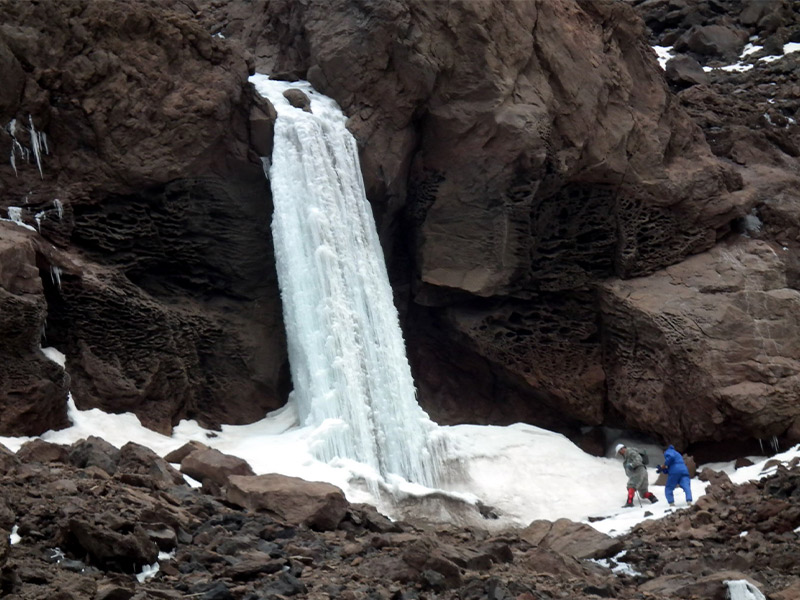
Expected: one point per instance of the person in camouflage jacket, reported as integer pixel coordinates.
(637, 474)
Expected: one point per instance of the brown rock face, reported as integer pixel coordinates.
(519, 155)
(528, 166)
(33, 388)
(708, 348)
(546, 149)
(168, 305)
(538, 151)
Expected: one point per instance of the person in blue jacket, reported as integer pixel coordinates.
(677, 474)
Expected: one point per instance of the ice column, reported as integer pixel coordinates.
(348, 362)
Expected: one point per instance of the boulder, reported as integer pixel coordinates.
(573, 539)
(716, 41)
(112, 590)
(319, 505)
(428, 562)
(124, 545)
(298, 99)
(710, 587)
(177, 455)
(4, 546)
(790, 592)
(38, 450)
(7, 516)
(714, 336)
(137, 459)
(684, 71)
(252, 565)
(214, 466)
(8, 460)
(94, 452)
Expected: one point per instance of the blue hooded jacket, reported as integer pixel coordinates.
(674, 462)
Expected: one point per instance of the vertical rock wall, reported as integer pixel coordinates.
(153, 203)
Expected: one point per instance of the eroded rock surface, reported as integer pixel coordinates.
(32, 387)
(527, 155)
(710, 342)
(135, 141)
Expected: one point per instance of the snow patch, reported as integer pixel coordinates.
(147, 572)
(54, 355)
(15, 216)
(617, 565)
(664, 53)
(192, 482)
(14, 537)
(750, 49)
(741, 589)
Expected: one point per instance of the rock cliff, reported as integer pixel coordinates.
(148, 189)
(574, 239)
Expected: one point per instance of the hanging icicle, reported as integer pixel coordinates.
(38, 145)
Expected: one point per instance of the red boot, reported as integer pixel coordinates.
(629, 503)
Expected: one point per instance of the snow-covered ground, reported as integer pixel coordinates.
(523, 472)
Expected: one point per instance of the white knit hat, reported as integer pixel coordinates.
(619, 447)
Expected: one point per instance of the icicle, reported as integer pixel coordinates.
(55, 276)
(36, 145)
(775, 444)
(16, 147)
(59, 207)
(38, 218)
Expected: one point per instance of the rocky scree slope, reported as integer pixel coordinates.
(87, 518)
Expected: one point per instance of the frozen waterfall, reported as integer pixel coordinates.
(351, 376)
